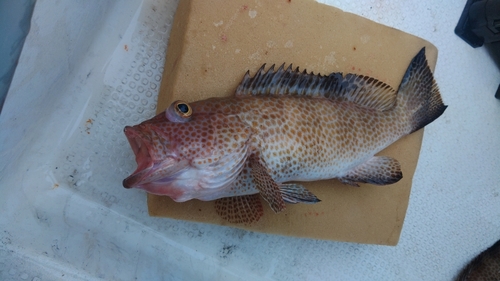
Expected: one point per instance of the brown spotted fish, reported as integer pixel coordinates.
(281, 126)
(484, 267)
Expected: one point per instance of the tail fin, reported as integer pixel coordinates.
(418, 96)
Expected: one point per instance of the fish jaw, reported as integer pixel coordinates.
(153, 170)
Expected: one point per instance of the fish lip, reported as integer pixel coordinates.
(146, 165)
(129, 182)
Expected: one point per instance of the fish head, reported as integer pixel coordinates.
(186, 156)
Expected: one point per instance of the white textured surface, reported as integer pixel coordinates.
(90, 67)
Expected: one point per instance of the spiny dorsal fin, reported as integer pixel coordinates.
(362, 90)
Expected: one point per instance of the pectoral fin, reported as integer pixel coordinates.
(240, 209)
(295, 193)
(380, 170)
(268, 188)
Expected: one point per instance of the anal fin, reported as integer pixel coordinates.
(268, 188)
(240, 209)
(295, 193)
(379, 170)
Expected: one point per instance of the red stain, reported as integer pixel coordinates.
(175, 62)
(311, 213)
(88, 123)
(125, 47)
(353, 68)
(244, 8)
(223, 38)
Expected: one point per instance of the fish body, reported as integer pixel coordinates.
(281, 126)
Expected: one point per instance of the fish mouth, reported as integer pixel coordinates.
(148, 169)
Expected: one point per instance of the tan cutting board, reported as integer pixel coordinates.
(214, 42)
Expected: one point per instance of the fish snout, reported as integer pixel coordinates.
(130, 131)
(126, 183)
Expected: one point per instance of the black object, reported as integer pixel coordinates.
(480, 24)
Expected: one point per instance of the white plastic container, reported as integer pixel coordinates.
(90, 67)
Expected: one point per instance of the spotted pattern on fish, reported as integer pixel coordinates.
(303, 138)
(240, 209)
(484, 267)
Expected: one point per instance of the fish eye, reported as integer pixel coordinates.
(179, 112)
(182, 109)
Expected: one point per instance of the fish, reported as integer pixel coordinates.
(281, 127)
(485, 266)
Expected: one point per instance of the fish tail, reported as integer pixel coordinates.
(418, 97)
